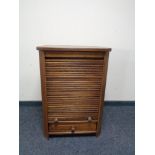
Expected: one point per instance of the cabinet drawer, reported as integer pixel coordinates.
(71, 128)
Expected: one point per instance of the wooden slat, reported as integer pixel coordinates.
(76, 98)
(73, 108)
(72, 103)
(73, 81)
(73, 60)
(76, 111)
(91, 105)
(74, 69)
(67, 79)
(73, 121)
(72, 118)
(74, 54)
(72, 89)
(74, 72)
(68, 132)
(73, 93)
(75, 63)
(72, 114)
(72, 84)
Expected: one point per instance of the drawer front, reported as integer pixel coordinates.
(72, 128)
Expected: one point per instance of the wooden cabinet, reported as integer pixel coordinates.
(73, 83)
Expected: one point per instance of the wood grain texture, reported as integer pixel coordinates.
(43, 90)
(73, 86)
(72, 127)
(102, 93)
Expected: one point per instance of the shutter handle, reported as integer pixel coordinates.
(89, 119)
(73, 129)
(56, 120)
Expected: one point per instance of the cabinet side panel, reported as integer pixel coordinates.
(102, 93)
(43, 90)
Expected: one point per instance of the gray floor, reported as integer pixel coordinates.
(117, 135)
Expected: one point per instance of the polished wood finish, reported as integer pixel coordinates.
(72, 127)
(73, 48)
(73, 83)
(43, 88)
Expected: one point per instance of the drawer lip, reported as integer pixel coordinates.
(69, 133)
(74, 122)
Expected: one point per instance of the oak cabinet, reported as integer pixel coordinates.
(73, 83)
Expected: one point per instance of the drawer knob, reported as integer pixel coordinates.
(73, 129)
(89, 119)
(56, 120)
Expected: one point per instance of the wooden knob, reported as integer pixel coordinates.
(89, 119)
(73, 129)
(56, 120)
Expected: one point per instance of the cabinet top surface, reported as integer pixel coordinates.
(72, 48)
